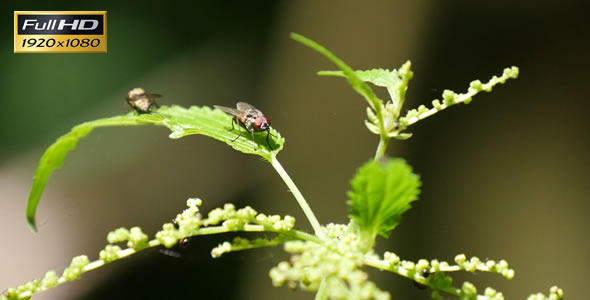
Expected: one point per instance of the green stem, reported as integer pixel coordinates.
(154, 243)
(381, 148)
(299, 197)
(322, 293)
(383, 265)
(386, 266)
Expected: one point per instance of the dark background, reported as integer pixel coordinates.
(505, 177)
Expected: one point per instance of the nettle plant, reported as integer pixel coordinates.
(329, 261)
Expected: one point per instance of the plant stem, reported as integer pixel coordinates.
(322, 293)
(383, 265)
(381, 148)
(386, 266)
(299, 197)
(154, 243)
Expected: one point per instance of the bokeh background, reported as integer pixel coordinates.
(504, 177)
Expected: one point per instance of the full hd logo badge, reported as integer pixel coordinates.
(60, 31)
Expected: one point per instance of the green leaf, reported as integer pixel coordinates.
(396, 82)
(378, 77)
(381, 193)
(357, 84)
(218, 125)
(181, 121)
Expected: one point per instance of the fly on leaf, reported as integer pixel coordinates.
(248, 117)
(142, 102)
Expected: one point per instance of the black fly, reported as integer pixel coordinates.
(249, 117)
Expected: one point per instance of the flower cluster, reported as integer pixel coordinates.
(247, 219)
(25, 291)
(334, 263)
(555, 293)
(186, 224)
(450, 98)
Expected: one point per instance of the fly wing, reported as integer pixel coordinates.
(228, 110)
(249, 109)
(153, 96)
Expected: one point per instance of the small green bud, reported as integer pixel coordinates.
(118, 235)
(468, 289)
(262, 218)
(405, 71)
(435, 265)
(408, 265)
(33, 285)
(391, 257)
(168, 227)
(422, 265)
(372, 127)
(556, 293)
(476, 85)
(49, 280)
(469, 266)
(507, 273)
(278, 274)
(21, 289)
(76, 267)
(80, 261)
(490, 292)
(137, 239)
(460, 259)
(488, 87)
(246, 213)
(168, 236)
(233, 224)
(10, 294)
(289, 222)
(229, 207)
(537, 296)
(422, 109)
(215, 216)
(512, 72)
(436, 104)
(219, 250)
(502, 265)
(193, 202)
(448, 97)
(490, 264)
(109, 253)
(371, 115)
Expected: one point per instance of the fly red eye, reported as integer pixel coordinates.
(262, 122)
(258, 122)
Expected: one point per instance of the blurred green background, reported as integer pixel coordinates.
(504, 177)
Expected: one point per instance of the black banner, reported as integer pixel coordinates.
(61, 24)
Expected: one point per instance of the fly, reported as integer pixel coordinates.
(249, 117)
(142, 102)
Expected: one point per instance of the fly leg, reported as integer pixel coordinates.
(153, 105)
(239, 130)
(232, 124)
(267, 142)
(255, 145)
